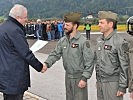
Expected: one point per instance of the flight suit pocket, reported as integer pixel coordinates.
(113, 56)
(75, 52)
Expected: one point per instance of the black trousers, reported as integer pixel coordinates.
(13, 96)
(88, 34)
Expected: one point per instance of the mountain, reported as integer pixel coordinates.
(57, 8)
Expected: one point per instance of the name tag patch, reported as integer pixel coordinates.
(107, 47)
(74, 45)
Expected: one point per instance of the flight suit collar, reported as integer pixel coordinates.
(75, 37)
(109, 36)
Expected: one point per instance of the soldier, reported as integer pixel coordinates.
(77, 58)
(111, 59)
(130, 40)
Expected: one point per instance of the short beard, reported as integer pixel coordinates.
(69, 32)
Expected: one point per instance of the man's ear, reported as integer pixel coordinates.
(75, 26)
(111, 24)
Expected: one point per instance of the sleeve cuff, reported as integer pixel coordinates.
(47, 64)
(84, 78)
(122, 89)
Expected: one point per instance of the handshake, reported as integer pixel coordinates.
(44, 68)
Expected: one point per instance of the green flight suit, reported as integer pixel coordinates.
(77, 61)
(112, 63)
(130, 71)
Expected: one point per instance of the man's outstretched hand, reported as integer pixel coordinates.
(44, 68)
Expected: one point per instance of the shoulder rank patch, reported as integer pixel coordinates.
(87, 44)
(125, 47)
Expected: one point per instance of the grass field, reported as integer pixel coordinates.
(95, 28)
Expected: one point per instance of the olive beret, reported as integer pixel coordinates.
(72, 17)
(107, 15)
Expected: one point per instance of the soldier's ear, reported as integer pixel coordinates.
(110, 24)
(75, 26)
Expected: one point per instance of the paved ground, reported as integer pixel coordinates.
(27, 96)
(50, 85)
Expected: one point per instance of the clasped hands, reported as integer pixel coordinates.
(44, 68)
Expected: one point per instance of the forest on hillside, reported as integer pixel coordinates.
(57, 8)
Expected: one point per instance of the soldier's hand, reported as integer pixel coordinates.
(82, 84)
(119, 93)
(44, 68)
(131, 95)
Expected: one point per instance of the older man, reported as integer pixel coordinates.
(15, 56)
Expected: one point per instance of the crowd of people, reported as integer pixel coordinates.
(44, 30)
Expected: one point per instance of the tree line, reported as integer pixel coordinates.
(57, 8)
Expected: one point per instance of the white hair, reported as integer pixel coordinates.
(38, 20)
(17, 10)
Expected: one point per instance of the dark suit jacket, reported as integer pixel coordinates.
(15, 58)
